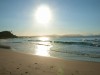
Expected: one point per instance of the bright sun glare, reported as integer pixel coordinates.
(43, 38)
(42, 48)
(43, 14)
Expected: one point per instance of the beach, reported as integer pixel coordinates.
(13, 63)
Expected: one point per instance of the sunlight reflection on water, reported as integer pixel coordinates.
(44, 38)
(43, 48)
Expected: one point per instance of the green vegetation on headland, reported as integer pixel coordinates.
(7, 34)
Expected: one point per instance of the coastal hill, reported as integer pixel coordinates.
(7, 34)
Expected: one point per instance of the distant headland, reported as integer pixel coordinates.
(7, 34)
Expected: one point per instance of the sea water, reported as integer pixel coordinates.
(68, 48)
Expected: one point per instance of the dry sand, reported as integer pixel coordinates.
(12, 63)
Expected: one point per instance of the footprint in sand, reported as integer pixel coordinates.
(72, 74)
(17, 68)
(10, 73)
(51, 67)
(37, 68)
(60, 72)
(20, 64)
(77, 72)
(43, 71)
(21, 74)
(26, 72)
(35, 63)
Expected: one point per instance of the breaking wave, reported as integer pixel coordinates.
(79, 43)
(79, 53)
(85, 43)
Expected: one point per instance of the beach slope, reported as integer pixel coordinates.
(12, 63)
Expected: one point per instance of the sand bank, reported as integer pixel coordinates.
(12, 63)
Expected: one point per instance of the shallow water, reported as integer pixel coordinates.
(84, 49)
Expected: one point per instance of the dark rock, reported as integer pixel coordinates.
(7, 34)
(5, 47)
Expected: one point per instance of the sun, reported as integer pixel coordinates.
(43, 14)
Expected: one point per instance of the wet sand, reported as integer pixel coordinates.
(13, 63)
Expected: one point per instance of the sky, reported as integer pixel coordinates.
(68, 17)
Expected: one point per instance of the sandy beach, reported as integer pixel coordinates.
(13, 63)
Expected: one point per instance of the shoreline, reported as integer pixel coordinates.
(8, 48)
(13, 63)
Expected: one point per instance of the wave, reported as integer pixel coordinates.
(79, 53)
(86, 42)
(16, 42)
(93, 40)
(79, 43)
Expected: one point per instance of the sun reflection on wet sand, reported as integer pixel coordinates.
(43, 48)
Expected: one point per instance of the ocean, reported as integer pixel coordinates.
(68, 48)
